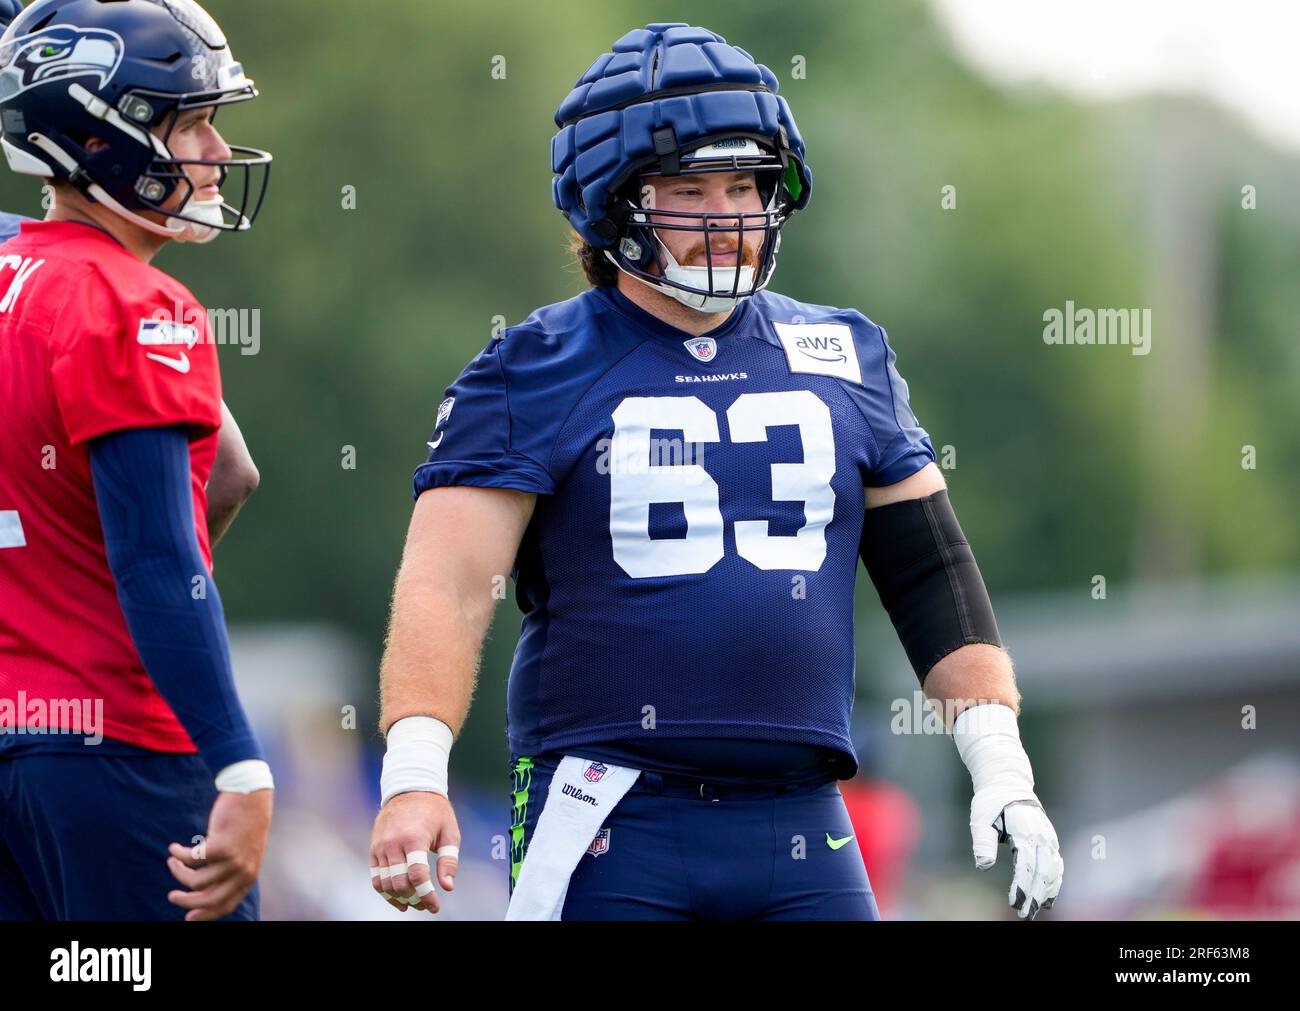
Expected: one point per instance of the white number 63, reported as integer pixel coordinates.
(634, 485)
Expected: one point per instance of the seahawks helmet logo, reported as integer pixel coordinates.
(58, 52)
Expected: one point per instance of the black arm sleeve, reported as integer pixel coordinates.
(925, 573)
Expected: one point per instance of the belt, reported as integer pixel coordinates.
(691, 788)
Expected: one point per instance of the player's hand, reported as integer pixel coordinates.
(408, 829)
(1037, 867)
(218, 872)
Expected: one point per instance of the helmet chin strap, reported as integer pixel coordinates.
(207, 228)
(176, 229)
(697, 277)
(96, 191)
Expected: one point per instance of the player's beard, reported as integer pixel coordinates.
(748, 256)
(695, 257)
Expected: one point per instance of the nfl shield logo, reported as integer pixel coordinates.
(596, 772)
(600, 844)
(703, 349)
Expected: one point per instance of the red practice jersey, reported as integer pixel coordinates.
(92, 341)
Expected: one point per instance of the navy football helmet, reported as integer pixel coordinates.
(117, 70)
(670, 100)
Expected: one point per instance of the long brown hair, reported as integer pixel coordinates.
(594, 263)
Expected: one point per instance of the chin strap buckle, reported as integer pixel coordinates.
(81, 181)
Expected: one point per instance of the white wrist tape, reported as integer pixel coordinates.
(416, 760)
(245, 777)
(988, 740)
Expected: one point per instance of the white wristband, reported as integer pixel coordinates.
(988, 740)
(416, 760)
(245, 777)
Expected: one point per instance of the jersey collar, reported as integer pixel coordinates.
(652, 324)
(67, 230)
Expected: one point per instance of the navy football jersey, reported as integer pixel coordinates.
(689, 569)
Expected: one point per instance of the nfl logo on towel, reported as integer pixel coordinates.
(596, 772)
(600, 844)
(703, 349)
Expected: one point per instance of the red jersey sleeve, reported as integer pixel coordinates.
(133, 356)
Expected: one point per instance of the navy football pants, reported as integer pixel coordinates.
(668, 853)
(84, 836)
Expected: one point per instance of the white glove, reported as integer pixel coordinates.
(1005, 809)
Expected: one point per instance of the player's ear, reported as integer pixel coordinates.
(95, 144)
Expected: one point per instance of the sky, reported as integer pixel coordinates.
(1243, 55)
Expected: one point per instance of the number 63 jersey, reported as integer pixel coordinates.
(689, 568)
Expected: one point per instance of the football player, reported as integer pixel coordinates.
(131, 783)
(681, 469)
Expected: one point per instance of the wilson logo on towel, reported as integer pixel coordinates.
(569, 790)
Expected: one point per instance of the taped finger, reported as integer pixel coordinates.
(1022, 877)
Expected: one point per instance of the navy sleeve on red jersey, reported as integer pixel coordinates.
(142, 485)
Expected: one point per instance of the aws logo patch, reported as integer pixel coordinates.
(823, 348)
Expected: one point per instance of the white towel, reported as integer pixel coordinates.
(581, 796)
